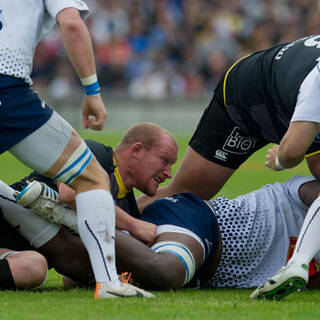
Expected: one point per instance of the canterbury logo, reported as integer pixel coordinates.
(221, 155)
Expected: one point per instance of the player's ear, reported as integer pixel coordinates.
(137, 148)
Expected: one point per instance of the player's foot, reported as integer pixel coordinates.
(39, 198)
(45, 202)
(104, 291)
(31, 194)
(287, 280)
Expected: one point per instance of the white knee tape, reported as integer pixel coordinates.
(180, 251)
(75, 165)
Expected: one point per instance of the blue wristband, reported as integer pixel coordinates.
(92, 89)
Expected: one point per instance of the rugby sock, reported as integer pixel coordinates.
(96, 224)
(308, 243)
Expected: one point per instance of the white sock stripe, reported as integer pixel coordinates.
(180, 251)
(100, 249)
(75, 165)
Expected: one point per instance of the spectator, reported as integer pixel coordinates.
(196, 40)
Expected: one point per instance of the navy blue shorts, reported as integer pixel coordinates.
(188, 211)
(21, 111)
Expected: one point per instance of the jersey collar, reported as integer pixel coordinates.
(123, 191)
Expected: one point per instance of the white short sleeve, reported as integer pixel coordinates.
(307, 107)
(55, 6)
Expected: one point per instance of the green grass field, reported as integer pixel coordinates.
(52, 302)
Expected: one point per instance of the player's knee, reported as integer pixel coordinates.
(28, 268)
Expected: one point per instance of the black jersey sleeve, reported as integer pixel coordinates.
(104, 154)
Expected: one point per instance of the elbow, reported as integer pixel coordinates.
(72, 26)
(69, 20)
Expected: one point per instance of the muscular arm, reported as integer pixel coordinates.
(294, 144)
(139, 229)
(77, 42)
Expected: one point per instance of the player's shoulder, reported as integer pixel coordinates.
(103, 153)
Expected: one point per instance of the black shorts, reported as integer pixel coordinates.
(218, 139)
(10, 238)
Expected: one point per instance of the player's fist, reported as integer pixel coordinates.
(94, 113)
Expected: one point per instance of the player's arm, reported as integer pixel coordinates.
(293, 146)
(139, 229)
(77, 42)
(142, 230)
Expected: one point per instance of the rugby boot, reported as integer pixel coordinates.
(288, 279)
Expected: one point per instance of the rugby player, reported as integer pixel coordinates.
(182, 246)
(258, 232)
(43, 140)
(264, 97)
(142, 160)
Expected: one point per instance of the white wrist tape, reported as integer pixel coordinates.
(86, 81)
(279, 166)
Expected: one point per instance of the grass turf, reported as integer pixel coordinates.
(54, 303)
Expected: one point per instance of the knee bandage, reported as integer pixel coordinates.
(180, 251)
(6, 279)
(75, 165)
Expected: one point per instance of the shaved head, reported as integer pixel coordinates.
(147, 133)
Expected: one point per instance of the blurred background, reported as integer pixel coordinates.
(159, 60)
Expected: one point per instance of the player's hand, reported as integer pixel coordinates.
(271, 157)
(144, 231)
(94, 113)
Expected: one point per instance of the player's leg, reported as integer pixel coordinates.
(41, 139)
(295, 274)
(198, 175)
(56, 150)
(22, 269)
(217, 148)
(169, 264)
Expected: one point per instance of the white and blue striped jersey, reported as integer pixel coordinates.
(23, 23)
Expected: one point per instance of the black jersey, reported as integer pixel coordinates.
(104, 155)
(254, 101)
(260, 91)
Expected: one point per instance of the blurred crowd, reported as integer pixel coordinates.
(172, 48)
